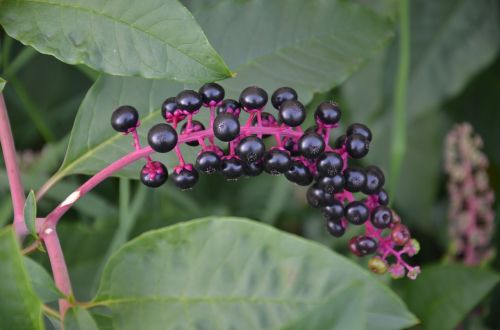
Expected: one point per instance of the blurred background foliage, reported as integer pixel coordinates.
(454, 77)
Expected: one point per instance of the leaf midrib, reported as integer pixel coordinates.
(117, 20)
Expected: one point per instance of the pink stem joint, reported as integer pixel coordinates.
(471, 216)
(305, 158)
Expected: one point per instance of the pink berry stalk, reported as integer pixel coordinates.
(471, 198)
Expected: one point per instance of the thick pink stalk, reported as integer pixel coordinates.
(9, 155)
(59, 269)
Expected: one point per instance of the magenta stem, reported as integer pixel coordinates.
(179, 155)
(12, 168)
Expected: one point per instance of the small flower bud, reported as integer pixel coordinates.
(397, 271)
(377, 265)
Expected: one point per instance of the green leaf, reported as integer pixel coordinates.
(234, 273)
(150, 38)
(444, 294)
(42, 282)
(30, 213)
(2, 84)
(78, 318)
(20, 308)
(317, 47)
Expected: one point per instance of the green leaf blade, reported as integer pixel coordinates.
(78, 318)
(42, 282)
(30, 213)
(151, 38)
(20, 308)
(3, 82)
(219, 272)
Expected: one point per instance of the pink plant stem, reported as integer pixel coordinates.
(59, 269)
(9, 155)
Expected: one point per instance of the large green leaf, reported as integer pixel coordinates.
(78, 318)
(311, 46)
(42, 282)
(20, 308)
(233, 273)
(444, 294)
(148, 38)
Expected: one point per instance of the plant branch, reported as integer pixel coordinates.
(9, 155)
(398, 145)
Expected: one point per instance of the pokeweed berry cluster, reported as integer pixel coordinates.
(303, 157)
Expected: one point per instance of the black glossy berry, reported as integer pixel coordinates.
(283, 94)
(154, 174)
(208, 162)
(124, 118)
(317, 197)
(168, 107)
(162, 138)
(211, 92)
(339, 143)
(356, 212)
(277, 161)
(186, 178)
(229, 106)
(253, 169)
(250, 149)
(359, 129)
(328, 113)
(196, 126)
(335, 227)
(253, 98)
(189, 100)
(232, 168)
(366, 245)
(292, 147)
(381, 217)
(292, 113)
(355, 179)
(335, 211)
(299, 174)
(383, 197)
(329, 163)
(332, 184)
(226, 127)
(357, 146)
(311, 145)
(375, 180)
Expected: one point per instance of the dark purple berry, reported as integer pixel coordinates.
(211, 92)
(168, 108)
(328, 113)
(250, 149)
(281, 95)
(366, 245)
(329, 163)
(299, 174)
(335, 211)
(359, 129)
(253, 169)
(196, 126)
(381, 217)
(355, 179)
(353, 246)
(124, 118)
(162, 138)
(189, 100)
(374, 180)
(335, 227)
(208, 162)
(154, 174)
(339, 143)
(357, 146)
(232, 168)
(185, 178)
(277, 161)
(253, 98)
(226, 127)
(317, 197)
(383, 197)
(229, 106)
(311, 145)
(291, 146)
(292, 113)
(332, 184)
(356, 213)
